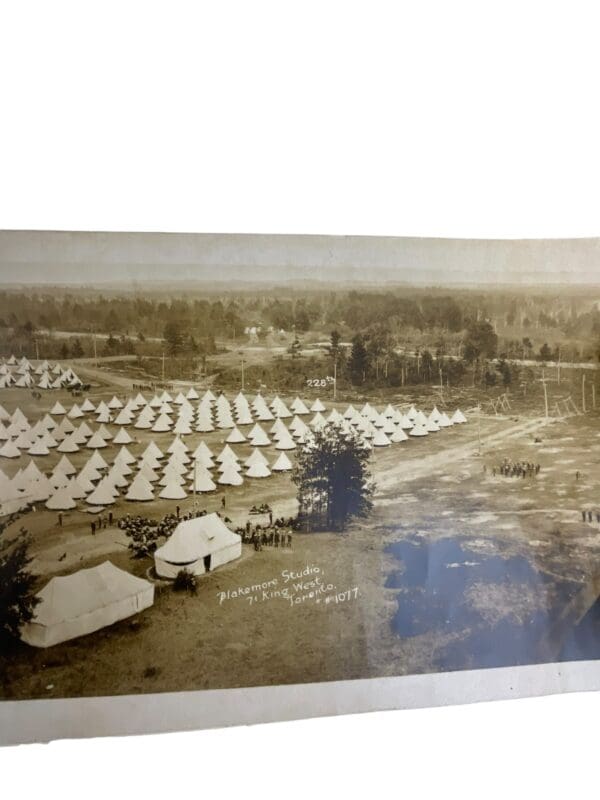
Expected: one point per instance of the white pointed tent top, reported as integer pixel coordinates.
(87, 474)
(334, 416)
(182, 426)
(202, 480)
(235, 437)
(398, 436)
(147, 472)
(258, 437)
(165, 397)
(96, 442)
(282, 464)
(240, 399)
(76, 489)
(4, 415)
(124, 417)
(156, 402)
(208, 395)
(173, 472)
(380, 439)
(87, 405)
(230, 476)
(177, 446)
(264, 415)
(278, 427)
(179, 399)
(125, 456)
(10, 450)
(389, 411)
(163, 424)
(299, 407)
(32, 472)
(102, 494)
(258, 470)
(58, 408)
(227, 454)
(140, 490)
(227, 464)
(203, 450)
(244, 416)
(458, 417)
(419, 429)
(68, 445)
(173, 491)
(317, 406)
(431, 426)
(105, 433)
(66, 467)
(444, 421)
(153, 450)
(285, 442)
(122, 437)
(84, 430)
(255, 457)
(114, 402)
(204, 424)
(75, 412)
(97, 461)
(61, 500)
(192, 394)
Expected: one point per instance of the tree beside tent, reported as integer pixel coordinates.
(333, 479)
(17, 597)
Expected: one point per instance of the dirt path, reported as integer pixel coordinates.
(416, 468)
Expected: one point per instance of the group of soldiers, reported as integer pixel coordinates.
(516, 469)
(588, 516)
(276, 534)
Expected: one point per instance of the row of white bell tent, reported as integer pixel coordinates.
(65, 486)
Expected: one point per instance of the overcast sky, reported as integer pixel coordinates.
(57, 257)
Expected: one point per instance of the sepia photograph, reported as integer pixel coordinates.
(234, 461)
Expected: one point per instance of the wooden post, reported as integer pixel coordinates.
(95, 352)
(594, 396)
(335, 379)
(583, 392)
(242, 373)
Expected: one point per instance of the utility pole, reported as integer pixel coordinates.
(594, 396)
(37, 350)
(242, 373)
(441, 386)
(479, 428)
(583, 392)
(543, 381)
(163, 366)
(334, 379)
(558, 367)
(95, 352)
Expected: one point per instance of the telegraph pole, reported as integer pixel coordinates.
(335, 379)
(583, 392)
(594, 396)
(242, 373)
(543, 382)
(95, 352)
(163, 366)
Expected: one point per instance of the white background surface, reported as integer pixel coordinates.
(417, 118)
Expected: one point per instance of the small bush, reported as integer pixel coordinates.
(185, 582)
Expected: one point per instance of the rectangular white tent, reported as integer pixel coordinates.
(198, 545)
(85, 601)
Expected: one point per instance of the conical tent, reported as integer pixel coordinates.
(380, 439)
(162, 424)
(75, 412)
(171, 474)
(192, 394)
(458, 417)
(255, 457)
(412, 414)
(202, 480)
(244, 416)
(177, 446)
(96, 442)
(317, 406)
(10, 450)
(431, 426)
(182, 426)
(204, 424)
(76, 490)
(83, 482)
(299, 407)
(58, 409)
(173, 491)
(230, 477)
(140, 490)
(444, 421)
(258, 437)
(58, 480)
(235, 437)
(318, 421)
(68, 445)
(418, 429)
(257, 470)
(87, 406)
(97, 461)
(105, 433)
(61, 500)
(115, 403)
(282, 464)
(102, 494)
(285, 442)
(227, 464)
(125, 456)
(124, 417)
(227, 453)
(147, 472)
(277, 428)
(398, 436)
(122, 437)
